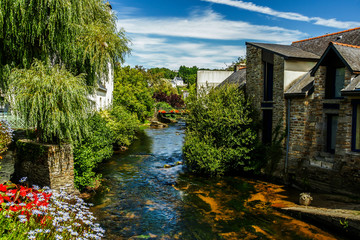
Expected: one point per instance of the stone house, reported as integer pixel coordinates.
(311, 90)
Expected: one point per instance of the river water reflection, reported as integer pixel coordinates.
(145, 200)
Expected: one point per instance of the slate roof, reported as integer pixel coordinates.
(318, 45)
(349, 55)
(301, 87)
(238, 77)
(286, 51)
(353, 88)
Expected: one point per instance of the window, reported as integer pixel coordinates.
(268, 81)
(334, 82)
(355, 143)
(332, 121)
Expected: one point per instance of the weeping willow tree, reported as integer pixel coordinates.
(80, 35)
(52, 100)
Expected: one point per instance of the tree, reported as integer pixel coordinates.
(81, 35)
(132, 91)
(51, 100)
(188, 74)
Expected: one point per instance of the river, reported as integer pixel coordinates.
(149, 195)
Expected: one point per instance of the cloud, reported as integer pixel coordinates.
(163, 52)
(204, 39)
(208, 25)
(286, 15)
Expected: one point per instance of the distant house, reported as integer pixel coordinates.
(207, 78)
(177, 82)
(311, 89)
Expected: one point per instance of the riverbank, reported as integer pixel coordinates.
(337, 213)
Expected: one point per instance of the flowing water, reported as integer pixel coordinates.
(149, 195)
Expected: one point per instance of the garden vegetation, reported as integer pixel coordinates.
(220, 132)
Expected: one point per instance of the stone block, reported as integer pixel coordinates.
(46, 164)
(315, 163)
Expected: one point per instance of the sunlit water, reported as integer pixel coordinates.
(145, 200)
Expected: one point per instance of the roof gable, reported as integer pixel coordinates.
(349, 55)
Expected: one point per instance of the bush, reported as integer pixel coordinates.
(88, 153)
(220, 132)
(122, 124)
(174, 100)
(163, 106)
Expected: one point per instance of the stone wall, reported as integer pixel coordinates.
(254, 76)
(255, 91)
(309, 162)
(45, 164)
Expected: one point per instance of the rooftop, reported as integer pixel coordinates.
(286, 51)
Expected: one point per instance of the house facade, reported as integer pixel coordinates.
(311, 90)
(103, 96)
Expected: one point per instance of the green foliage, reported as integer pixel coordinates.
(88, 153)
(131, 90)
(163, 106)
(81, 35)
(5, 136)
(189, 74)
(122, 124)
(50, 99)
(162, 73)
(220, 132)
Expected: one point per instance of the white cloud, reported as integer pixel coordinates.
(161, 52)
(286, 15)
(209, 25)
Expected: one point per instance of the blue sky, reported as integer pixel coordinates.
(212, 33)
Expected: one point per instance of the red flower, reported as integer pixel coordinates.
(1, 199)
(2, 188)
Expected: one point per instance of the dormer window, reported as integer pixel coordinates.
(334, 82)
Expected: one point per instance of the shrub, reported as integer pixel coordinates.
(88, 153)
(51, 100)
(122, 124)
(163, 106)
(174, 100)
(33, 213)
(220, 132)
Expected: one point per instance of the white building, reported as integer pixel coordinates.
(206, 78)
(177, 82)
(103, 96)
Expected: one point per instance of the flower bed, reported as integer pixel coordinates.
(34, 213)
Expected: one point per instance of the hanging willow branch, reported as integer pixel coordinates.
(51, 100)
(67, 32)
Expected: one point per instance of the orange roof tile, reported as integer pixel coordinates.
(346, 45)
(327, 35)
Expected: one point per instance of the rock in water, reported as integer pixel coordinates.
(305, 199)
(157, 124)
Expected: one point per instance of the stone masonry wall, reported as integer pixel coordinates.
(255, 91)
(46, 165)
(254, 76)
(308, 159)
